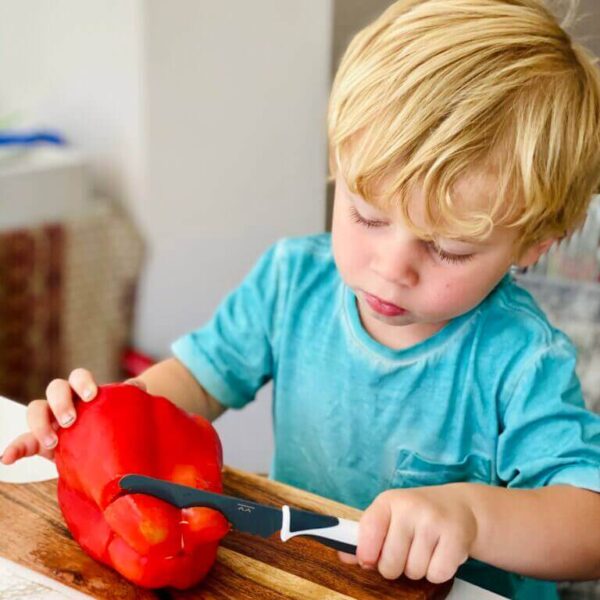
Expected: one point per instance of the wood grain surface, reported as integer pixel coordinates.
(33, 534)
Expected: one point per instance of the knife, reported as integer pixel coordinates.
(251, 517)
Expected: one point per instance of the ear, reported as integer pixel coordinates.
(534, 253)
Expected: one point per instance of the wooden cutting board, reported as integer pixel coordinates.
(33, 534)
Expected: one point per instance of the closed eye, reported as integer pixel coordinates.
(449, 257)
(439, 252)
(358, 218)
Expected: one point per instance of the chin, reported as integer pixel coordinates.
(399, 321)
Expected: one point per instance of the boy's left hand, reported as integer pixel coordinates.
(418, 532)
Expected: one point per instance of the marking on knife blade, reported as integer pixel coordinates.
(245, 507)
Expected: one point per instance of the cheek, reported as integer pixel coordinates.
(448, 294)
(349, 251)
(460, 292)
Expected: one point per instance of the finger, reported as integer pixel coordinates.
(82, 381)
(448, 555)
(396, 547)
(60, 399)
(421, 550)
(138, 383)
(24, 445)
(40, 420)
(349, 559)
(372, 530)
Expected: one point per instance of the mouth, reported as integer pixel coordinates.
(382, 307)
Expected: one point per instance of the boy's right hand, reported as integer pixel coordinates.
(44, 417)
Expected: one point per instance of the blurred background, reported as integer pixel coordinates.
(151, 150)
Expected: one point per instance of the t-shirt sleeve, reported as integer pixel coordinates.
(547, 436)
(232, 355)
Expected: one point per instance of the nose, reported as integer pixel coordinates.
(398, 262)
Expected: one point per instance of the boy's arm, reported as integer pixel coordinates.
(169, 378)
(547, 533)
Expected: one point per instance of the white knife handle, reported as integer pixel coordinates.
(334, 532)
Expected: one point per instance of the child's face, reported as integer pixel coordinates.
(407, 288)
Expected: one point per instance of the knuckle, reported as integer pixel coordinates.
(425, 530)
(54, 386)
(408, 501)
(383, 497)
(376, 506)
(387, 497)
(35, 412)
(431, 517)
(34, 406)
(431, 527)
(370, 518)
(79, 374)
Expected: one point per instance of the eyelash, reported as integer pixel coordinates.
(445, 256)
(451, 258)
(357, 218)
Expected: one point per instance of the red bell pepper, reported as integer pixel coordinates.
(125, 430)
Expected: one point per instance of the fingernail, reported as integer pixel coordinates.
(67, 419)
(87, 394)
(50, 441)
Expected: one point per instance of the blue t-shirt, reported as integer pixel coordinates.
(491, 398)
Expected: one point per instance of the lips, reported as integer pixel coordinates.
(383, 308)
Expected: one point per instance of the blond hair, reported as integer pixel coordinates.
(433, 89)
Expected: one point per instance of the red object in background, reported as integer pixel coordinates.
(125, 430)
(135, 362)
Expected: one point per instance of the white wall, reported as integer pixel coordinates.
(236, 148)
(207, 119)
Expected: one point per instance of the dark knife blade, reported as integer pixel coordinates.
(243, 515)
(251, 517)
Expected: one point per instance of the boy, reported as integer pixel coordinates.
(412, 377)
